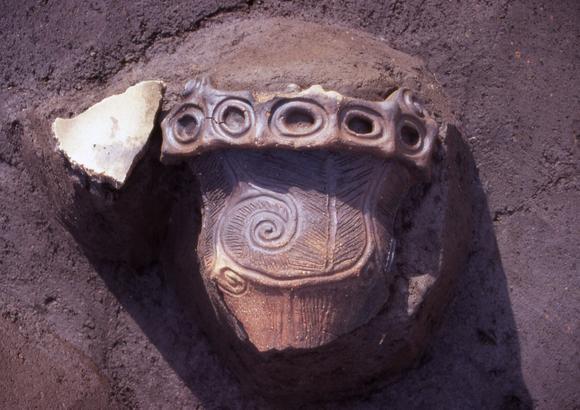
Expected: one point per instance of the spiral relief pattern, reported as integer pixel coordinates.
(263, 223)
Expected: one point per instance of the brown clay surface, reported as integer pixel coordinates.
(511, 336)
(275, 222)
(398, 128)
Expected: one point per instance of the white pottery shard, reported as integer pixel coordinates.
(108, 139)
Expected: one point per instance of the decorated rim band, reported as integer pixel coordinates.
(208, 119)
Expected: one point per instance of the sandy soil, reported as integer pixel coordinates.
(83, 334)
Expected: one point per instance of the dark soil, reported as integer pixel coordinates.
(85, 334)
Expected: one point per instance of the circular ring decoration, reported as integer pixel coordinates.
(410, 133)
(298, 118)
(361, 122)
(263, 223)
(187, 124)
(234, 117)
(231, 282)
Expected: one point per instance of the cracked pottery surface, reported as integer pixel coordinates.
(109, 138)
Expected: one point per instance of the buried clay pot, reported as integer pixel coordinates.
(299, 243)
(330, 217)
(296, 271)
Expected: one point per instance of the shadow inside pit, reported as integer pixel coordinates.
(473, 362)
(150, 297)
